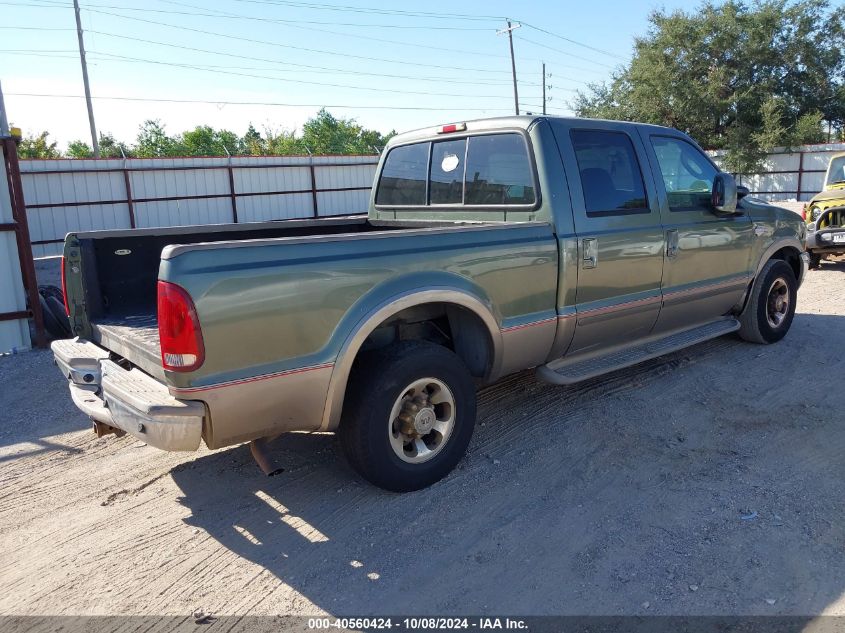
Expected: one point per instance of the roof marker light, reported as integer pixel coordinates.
(454, 127)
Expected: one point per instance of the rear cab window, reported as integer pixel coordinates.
(484, 170)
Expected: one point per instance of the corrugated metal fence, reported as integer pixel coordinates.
(794, 175)
(80, 195)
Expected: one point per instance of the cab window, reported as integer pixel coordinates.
(482, 170)
(687, 173)
(610, 173)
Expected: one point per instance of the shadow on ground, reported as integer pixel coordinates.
(708, 481)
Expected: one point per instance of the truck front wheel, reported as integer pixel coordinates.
(408, 416)
(771, 304)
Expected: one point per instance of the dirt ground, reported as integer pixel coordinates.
(706, 482)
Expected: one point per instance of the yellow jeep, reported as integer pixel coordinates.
(825, 214)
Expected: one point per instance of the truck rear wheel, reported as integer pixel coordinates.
(409, 415)
(771, 305)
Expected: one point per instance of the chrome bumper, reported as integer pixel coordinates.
(129, 400)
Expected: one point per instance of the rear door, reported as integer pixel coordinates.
(620, 237)
(708, 257)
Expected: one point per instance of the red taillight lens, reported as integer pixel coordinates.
(179, 329)
(804, 212)
(454, 127)
(64, 288)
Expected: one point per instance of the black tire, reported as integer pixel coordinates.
(815, 259)
(755, 325)
(57, 307)
(51, 291)
(378, 380)
(51, 323)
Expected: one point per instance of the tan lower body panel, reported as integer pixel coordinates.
(526, 345)
(262, 406)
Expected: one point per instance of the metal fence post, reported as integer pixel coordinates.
(233, 196)
(27, 263)
(316, 212)
(128, 185)
(800, 174)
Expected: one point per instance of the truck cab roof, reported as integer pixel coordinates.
(523, 121)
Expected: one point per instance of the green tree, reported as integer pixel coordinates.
(282, 143)
(326, 134)
(153, 142)
(734, 76)
(204, 140)
(38, 146)
(79, 149)
(112, 148)
(252, 143)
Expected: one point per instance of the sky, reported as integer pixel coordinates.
(274, 63)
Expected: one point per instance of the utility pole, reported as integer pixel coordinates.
(544, 88)
(94, 143)
(509, 31)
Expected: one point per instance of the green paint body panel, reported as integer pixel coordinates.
(272, 306)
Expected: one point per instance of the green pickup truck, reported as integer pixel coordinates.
(573, 246)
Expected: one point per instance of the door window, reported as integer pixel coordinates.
(610, 173)
(687, 173)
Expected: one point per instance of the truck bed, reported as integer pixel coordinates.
(120, 269)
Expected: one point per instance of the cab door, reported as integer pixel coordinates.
(620, 238)
(708, 257)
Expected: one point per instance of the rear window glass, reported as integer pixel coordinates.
(484, 170)
(403, 178)
(498, 171)
(610, 173)
(447, 172)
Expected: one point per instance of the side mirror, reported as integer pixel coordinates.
(723, 197)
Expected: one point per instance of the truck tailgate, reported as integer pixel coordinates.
(134, 337)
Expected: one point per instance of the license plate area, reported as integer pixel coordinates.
(839, 238)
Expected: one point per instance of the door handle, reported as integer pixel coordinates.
(590, 252)
(672, 243)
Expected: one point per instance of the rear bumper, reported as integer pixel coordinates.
(129, 400)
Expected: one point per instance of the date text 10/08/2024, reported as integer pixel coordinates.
(417, 623)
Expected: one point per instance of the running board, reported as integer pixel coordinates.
(568, 371)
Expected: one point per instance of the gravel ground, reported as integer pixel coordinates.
(705, 482)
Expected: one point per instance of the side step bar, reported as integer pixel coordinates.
(568, 371)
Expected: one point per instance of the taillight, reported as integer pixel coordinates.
(804, 212)
(64, 288)
(179, 329)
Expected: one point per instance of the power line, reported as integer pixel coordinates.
(311, 83)
(35, 28)
(258, 103)
(375, 10)
(567, 53)
(311, 69)
(239, 16)
(571, 41)
(276, 61)
(290, 46)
